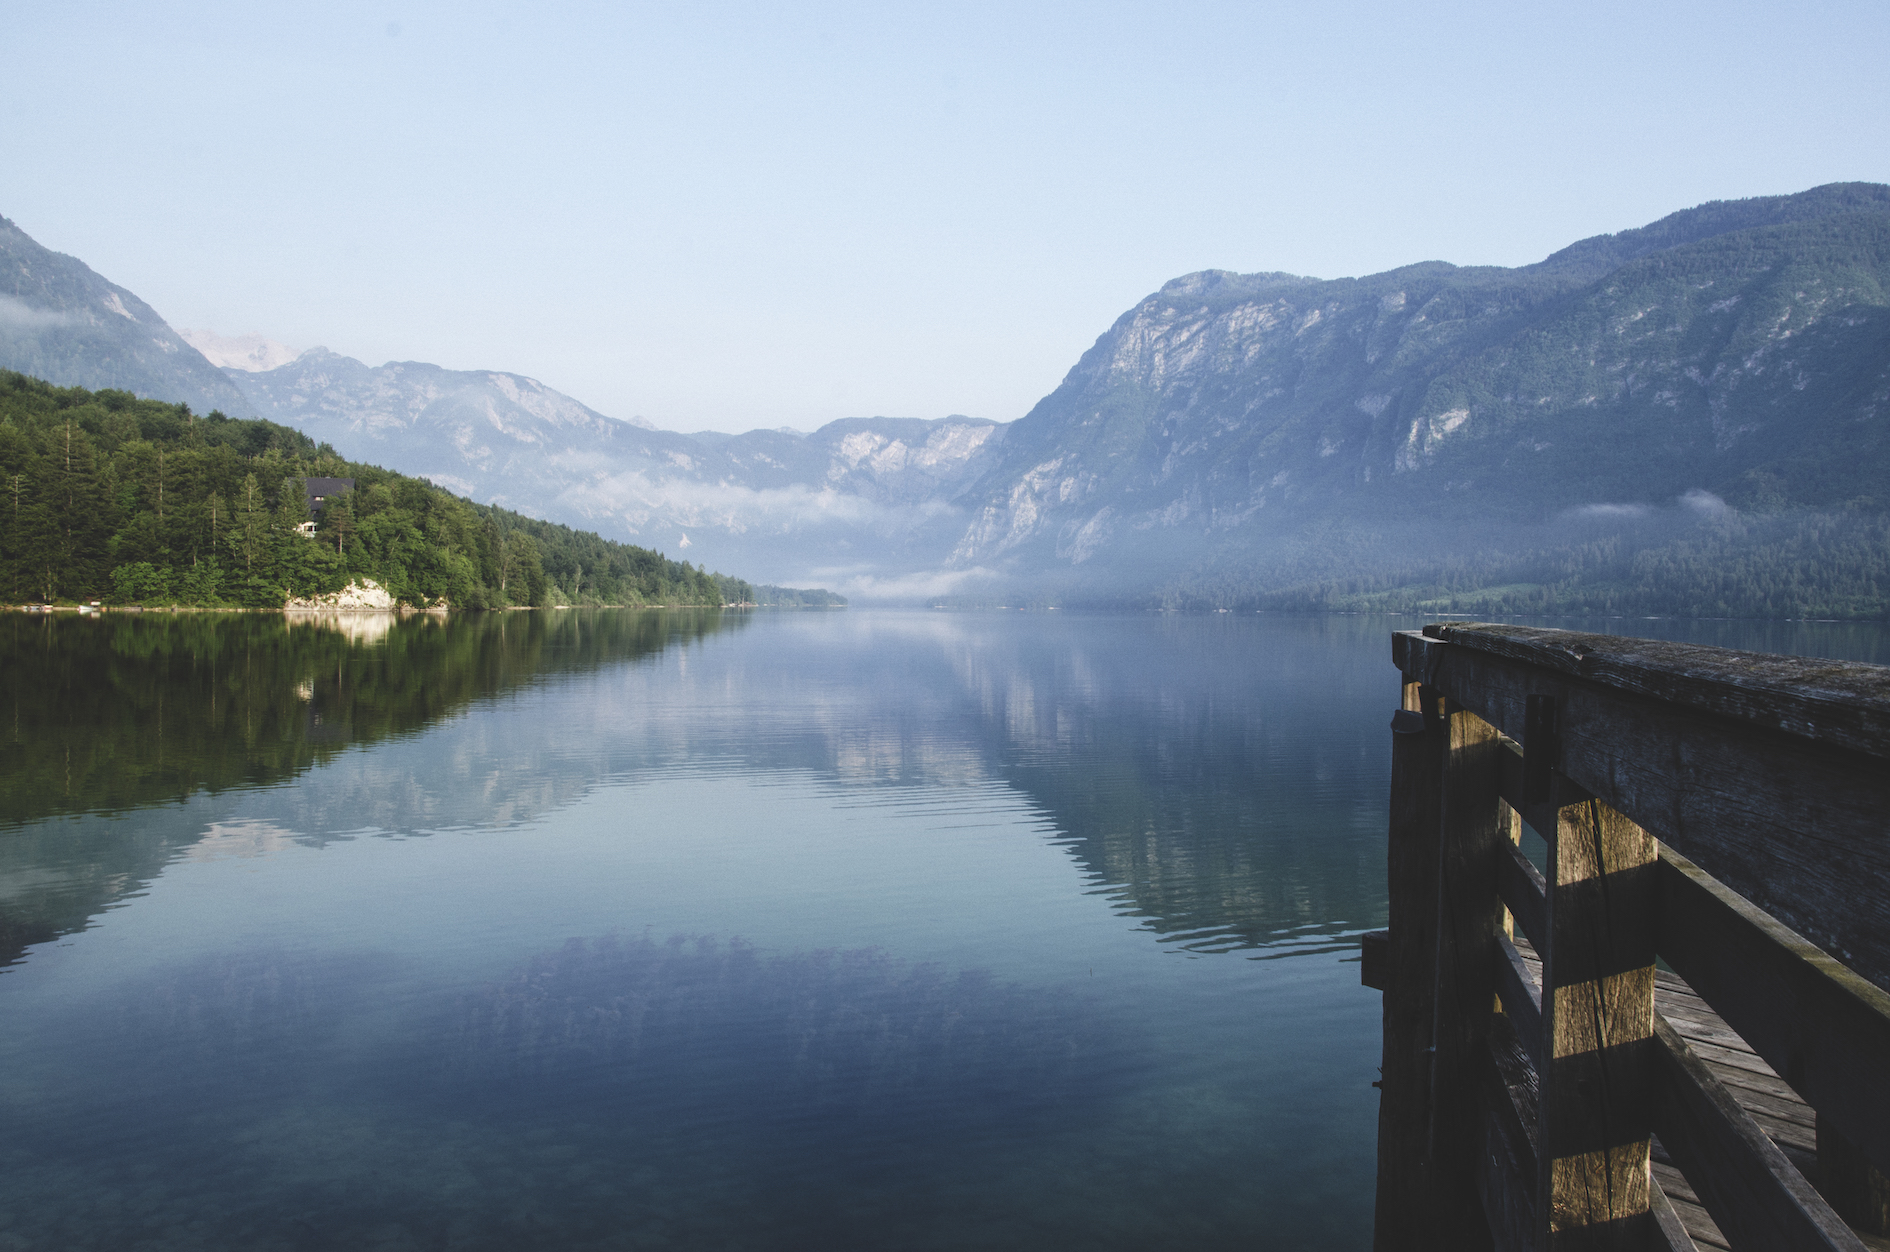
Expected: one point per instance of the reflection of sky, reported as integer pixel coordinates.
(1222, 778)
(1069, 803)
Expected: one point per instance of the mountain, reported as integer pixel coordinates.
(61, 322)
(244, 352)
(861, 494)
(1276, 428)
(1685, 417)
(138, 502)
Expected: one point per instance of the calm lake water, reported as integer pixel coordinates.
(641, 929)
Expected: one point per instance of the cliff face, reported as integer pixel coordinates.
(61, 322)
(1738, 349)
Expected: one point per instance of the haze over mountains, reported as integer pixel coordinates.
(1230, 437)
(62, 322)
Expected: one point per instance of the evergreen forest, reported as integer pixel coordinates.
(107, 497)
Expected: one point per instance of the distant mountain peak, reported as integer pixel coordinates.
(252, 353)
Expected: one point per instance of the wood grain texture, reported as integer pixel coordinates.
(1842, 703)
(1506, 1177)
(1521, 998)
(1598, 1010)
(1755, 1195)
(1525, 893)
(1792, 824)
(1822, 1028)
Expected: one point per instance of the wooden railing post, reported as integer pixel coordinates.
(1470, 916)
(1593, 1185)
(1406, 1219)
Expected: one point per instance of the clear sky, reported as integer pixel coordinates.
(737, 215)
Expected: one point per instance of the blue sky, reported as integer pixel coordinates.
(728, 216)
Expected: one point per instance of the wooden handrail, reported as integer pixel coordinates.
(1824, 1029)
(1745, 1181)
(1717, 808)
(1840, 703)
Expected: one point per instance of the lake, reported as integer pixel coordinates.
(623, 929)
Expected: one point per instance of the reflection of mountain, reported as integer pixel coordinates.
(1220, 778)
(142, 713)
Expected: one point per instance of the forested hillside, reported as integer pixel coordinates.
(104, 496)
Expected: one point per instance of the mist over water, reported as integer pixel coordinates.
(634, 929)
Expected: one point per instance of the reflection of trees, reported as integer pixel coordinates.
(122, 713)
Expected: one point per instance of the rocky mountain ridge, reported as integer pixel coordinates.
(1739, 350)
(1246, 432)
(64, 323)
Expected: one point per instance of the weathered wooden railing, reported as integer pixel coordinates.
(1725, 812)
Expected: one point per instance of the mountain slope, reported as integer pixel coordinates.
(857, 494)
(1741, 349)
(61, 322)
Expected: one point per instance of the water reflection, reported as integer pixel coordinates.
(122, 712)
(116, 725)
(856, 1035)
(377, 976)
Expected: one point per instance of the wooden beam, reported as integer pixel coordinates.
(1858, 1190)
(1598, 1018)
(1824, 1029)
(1788, 820)
(1506, 1167)
(1374, 959)
(1525, 894)
(1522, 999)
(1754, 1194)
(1405, 1205)
(1838, 703)
(1470, 917)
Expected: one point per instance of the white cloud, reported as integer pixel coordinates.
(920, 585)
(1610, 512)
(1705, 502)
(639, 500)
(17, 314)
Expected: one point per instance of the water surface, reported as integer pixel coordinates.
(636, 929)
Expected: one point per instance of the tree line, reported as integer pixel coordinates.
(104, 496)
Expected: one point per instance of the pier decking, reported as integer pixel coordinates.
(1668, 1027)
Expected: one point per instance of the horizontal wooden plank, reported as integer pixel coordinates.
(1525, 891)
(1670, 1231)
(1522, 998)
(1843, 703)
(1753, 1192)
(1794, 826)
(1819, 1026)
(1698, 1223)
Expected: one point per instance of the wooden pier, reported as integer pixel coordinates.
(1635, 976)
